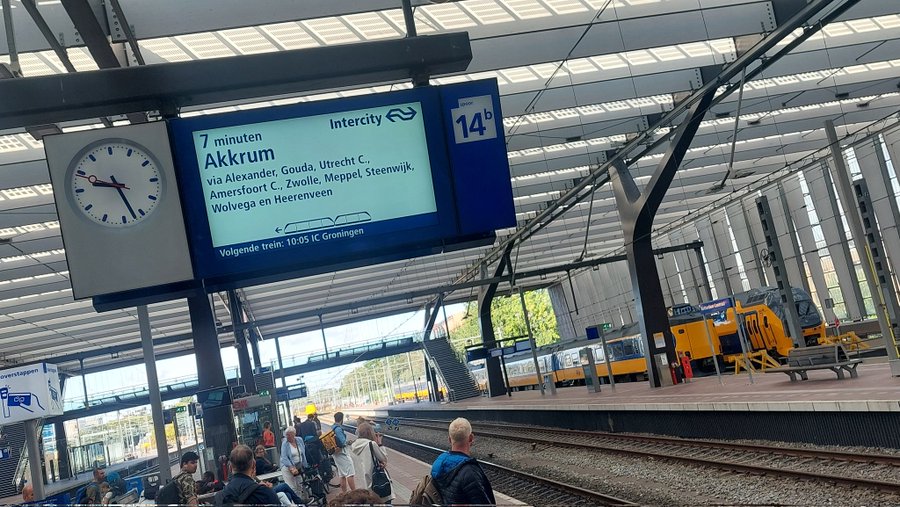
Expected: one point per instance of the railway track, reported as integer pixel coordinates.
(529, 488)
(851, 469)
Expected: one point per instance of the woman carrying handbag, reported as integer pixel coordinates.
(369, 460)
(293, 461)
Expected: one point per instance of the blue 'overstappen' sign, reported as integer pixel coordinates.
(272, 193)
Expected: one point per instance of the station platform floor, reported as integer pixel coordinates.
(874, 390)
(406, 472)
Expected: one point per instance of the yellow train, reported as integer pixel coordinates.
(760, 310)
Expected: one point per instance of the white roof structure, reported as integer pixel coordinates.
(577, 77)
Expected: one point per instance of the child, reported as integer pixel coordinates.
(105, 493)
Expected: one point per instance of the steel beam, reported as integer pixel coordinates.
(496, 385)
(240, 340)
(779, 266)
(637, 211)
(48, 34)
(116, 91)
(91, 32)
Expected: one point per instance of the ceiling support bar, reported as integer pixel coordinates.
(170, 86)
(48, 34)
(129, 33)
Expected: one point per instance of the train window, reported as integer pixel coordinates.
(805, 308)
(616, 351)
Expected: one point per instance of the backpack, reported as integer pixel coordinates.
(116, 483)
(81, 496)
(241, 500)
(340, 438)
(168, 494)
(427, 492)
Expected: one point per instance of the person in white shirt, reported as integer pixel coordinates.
(365, 452)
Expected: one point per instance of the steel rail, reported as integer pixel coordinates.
(593, 496)
(885, 459)
(706, 462)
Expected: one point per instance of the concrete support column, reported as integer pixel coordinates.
(722, 238)
(874, 168)
(782, 280)
(797, 208)
(822, 190)
(218, 424)
(606, 291)
(62, 448)
(32, 434)
(672, 290)
(716, 267)
(156, 410)
(845, 190)
(892, 143)
(787, 238)
(686, 268)
(746, 244)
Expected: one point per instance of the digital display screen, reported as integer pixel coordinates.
(281, 192)
(315, 179)
(214, 398)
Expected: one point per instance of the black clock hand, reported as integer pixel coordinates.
(122, 195)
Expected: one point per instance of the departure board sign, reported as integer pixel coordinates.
(290, 182)
(332, 184)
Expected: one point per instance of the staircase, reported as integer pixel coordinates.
(460, 383)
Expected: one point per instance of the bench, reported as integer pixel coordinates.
(821, 357)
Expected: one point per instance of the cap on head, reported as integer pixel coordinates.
(189, 456)
(311, 409)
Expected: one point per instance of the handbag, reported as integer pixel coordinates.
(381, 483)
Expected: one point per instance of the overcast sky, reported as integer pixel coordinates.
(182, 368)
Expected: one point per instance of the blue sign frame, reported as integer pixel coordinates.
(471, 202)
(715, 306)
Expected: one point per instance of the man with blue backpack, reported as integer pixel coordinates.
(342, 460)
(456, 478)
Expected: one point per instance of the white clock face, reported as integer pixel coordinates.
(115, 183)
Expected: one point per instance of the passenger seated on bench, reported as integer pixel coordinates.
(263, 466)
(243, 488)
(208, 484)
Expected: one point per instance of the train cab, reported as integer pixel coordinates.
(693, 333)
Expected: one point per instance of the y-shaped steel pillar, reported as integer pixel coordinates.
(636, 211)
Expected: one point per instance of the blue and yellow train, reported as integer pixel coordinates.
(759, 310)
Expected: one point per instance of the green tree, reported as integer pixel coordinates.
(509, 321)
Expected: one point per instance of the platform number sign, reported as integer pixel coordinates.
(474, 119)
